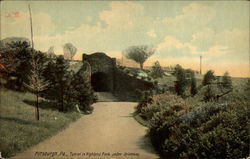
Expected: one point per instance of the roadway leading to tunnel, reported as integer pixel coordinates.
(109, 130)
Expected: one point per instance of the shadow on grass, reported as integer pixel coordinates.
(19, 121)
(42, 104)
(145, 144)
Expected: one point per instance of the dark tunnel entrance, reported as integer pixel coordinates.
(100, 82)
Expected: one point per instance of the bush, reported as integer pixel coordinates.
(83, 94)
(193, 86)
(208, 78)
(206, 130)
(209, 92)
(160, 103)
(157, 71)
(226, 80)
(181, 82)
(144, 98)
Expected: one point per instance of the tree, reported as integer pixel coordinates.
(37, 83)
(8, 59)
(139, 53)
(181, 81)
(82, 92)
(15, 57)
(69, 51)
(62, 80)
(226, 80)
(157, 71)
(193, 84)
(208, 78)
(59, 77)
(51, 53)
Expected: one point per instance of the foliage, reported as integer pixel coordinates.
(139, 53)
(160, 103)
(37, 83)
(209, 92)
(51, 53)
(181, 80)
(191, 80)
(226, 80)
(208, 131)
(199, 130)
(59, 78)
(82, 92)
(15, 57)
(208, 78)
(69, 51)
(193, 87)
(157, 71)
(144, 98)
(67, 87)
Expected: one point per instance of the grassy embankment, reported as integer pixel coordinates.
(18, 127)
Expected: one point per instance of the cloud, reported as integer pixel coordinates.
(122, 14)
(115, 30)
(13, 15)
(176, 48)
(173, 46)
(216, 50)
(235, 41)
(192, 18)
(152, 33)
(18, 24)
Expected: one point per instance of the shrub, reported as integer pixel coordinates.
(209, 92)
(82, 92)
(193, 86)
(181, 82)
(205, 130)
(208, 78)
(144, 98)
(157, 71)
(160, 103)
(226, 80)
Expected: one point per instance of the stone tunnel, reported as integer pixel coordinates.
(102, 71)
(106, 77)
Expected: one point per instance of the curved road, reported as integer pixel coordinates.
(109, 133)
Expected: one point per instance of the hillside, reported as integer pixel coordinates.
(18, 127)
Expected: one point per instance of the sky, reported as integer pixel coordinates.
(181, 31)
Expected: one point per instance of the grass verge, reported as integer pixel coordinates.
(18, 127)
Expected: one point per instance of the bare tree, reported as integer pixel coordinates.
(37, 83)
(69, 51)
(51, 53)
(139, 53)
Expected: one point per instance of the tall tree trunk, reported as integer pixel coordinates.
(37, 107)
(141, 66)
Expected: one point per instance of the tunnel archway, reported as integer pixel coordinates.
(100, 82)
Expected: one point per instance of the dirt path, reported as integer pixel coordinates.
(110, 129)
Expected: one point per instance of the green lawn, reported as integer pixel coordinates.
(18, 127)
